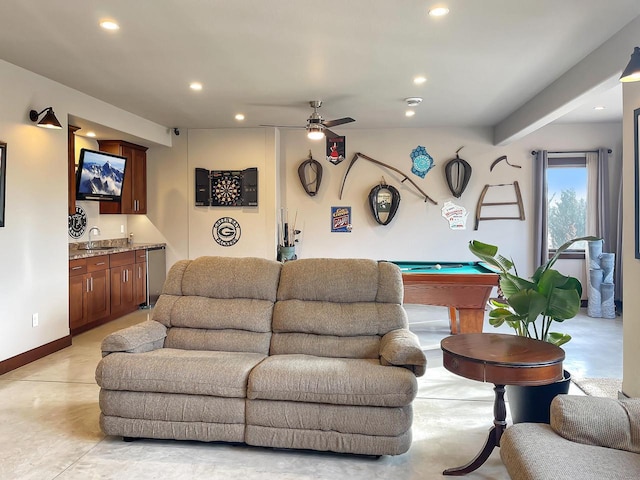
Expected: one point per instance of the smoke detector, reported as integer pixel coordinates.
(413, 101)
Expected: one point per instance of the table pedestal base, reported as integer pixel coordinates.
(493, 440)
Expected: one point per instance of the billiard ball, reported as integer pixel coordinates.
(438, 266)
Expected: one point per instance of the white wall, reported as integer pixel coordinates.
(419, 232)
(167, 219)
(34, 242)
(234, 149)
(630, 265)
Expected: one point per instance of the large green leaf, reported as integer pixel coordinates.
(558, 338)
(528, 304)
(487, 253)
(563, 304)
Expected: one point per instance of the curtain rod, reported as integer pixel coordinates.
(534, 152)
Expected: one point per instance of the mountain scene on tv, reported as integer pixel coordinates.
(101, 178)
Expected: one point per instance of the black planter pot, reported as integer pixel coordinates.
(531, 404)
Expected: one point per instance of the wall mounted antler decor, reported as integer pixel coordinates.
(377, 162)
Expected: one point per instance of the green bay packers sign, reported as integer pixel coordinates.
(226, 231)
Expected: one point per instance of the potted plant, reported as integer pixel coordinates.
(530, 306)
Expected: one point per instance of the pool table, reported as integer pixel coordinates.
(464, 287)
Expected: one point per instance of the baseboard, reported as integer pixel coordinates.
(35, 354)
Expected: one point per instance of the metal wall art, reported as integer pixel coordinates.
(422, 162)
(226, 231)
(336, 148)
(499, 159)
(457, 172)
(384, 201)
(341, 219)
(310, 174)
(77, 223)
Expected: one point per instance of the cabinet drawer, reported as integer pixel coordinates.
(95, 264)
(141, 256)
(124, 258)
(77, 267)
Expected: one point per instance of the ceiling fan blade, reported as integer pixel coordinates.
(329, 134)
(283, 126)
(338, 121)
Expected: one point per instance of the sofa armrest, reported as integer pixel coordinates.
(143, 337)
(603, 422)
(401, 348)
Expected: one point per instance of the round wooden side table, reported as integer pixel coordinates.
(502, 360)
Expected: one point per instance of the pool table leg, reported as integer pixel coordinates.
(453, 320)
(471, 320)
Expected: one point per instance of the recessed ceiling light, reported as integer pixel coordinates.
(195, 86)
(409, 113)
(599, 107)
(109, 25)
(239, 117)
(419, 80)
(91, 134)
(438, 11)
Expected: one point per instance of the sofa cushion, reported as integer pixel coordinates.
(168, 370)
(605, 422)
(172, 407)
(232, 277)
(380, 421)
(532, 451)
(326, 345)
(344, 319)
(222, 340)
(340, 381)
(341, 281)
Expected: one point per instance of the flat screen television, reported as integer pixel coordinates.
(100, 176)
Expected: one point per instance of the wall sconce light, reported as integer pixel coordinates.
(632, 72)
(48, 121)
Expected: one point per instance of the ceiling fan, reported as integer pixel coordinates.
(317, 127)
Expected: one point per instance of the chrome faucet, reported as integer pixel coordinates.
(90, 242)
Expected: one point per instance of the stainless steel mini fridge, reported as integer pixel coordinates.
(156, 274)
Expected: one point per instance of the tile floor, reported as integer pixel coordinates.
(49, 419)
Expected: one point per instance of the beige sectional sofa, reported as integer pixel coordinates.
(310, 354)
(590, 438)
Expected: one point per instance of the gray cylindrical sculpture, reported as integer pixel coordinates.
(608, 304)
(595, 250)
(594, 308)
(607, 262)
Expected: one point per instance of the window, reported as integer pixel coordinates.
(567, 206)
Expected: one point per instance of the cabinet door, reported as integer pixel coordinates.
(126, 203)
(134, 188)
(139, 181)
(77, 289)
(98, 297)
(122, 288)
(141, 283)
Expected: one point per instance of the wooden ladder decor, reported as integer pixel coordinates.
(481, 204)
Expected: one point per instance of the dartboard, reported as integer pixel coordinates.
(226, 189)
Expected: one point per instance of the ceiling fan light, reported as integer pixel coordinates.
(632, 72)
(315, 132)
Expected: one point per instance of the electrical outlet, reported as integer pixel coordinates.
(34, 320)
(121, 228)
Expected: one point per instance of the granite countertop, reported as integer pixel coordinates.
(107, 247)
